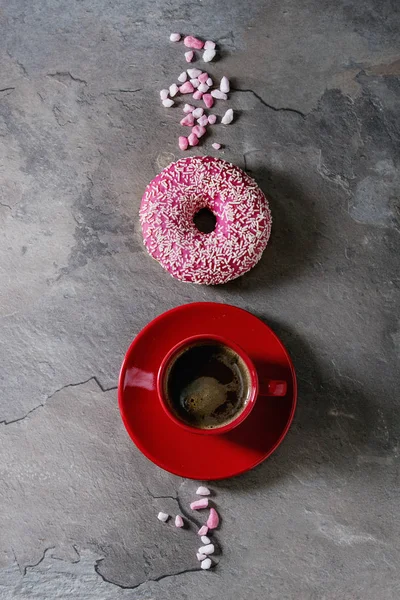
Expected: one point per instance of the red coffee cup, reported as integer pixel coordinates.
(258, 387)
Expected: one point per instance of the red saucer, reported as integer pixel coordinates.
(189, 454)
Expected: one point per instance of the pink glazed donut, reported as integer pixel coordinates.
(242, 227)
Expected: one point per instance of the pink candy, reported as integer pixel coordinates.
(213, 519)
(193, 141)
(203, 503)
(188, 121)
(183, 142)
(197, 95)
(203, 77)
(189, 56)
(212, 119)
(209, 45)
(199, 130)
(192, 42)
(186, 88)
(216, 146)
(203, 121)
(178, 521)
(203, 530)
(208, 100)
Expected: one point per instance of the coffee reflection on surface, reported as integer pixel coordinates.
(207, 385)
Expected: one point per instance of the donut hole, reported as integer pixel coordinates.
(205, 220)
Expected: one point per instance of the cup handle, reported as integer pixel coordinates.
(272, 387)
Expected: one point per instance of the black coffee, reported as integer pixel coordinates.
(207, 385)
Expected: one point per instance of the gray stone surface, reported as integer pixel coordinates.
(81, 133)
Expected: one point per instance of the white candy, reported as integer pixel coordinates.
(205, 539)
(195, 83)
(197, 114)
(208, 549)
(163, 517)
(209, 45)
(203, 88)
(168, 102)
(203, 491)
(219, 95)
(209, 82)
(228, 117)
(201, 556)
(182, 77)
(206, 564)
(174, 37)
(164, 94)
(178, 521)
(173, 90)
(208, 55)
(216, 146)
(194, 73)
(203, 121)
(224, 85)
(188, 108)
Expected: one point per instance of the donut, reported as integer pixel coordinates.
(242, 220)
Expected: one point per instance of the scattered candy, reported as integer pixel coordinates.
(189, 56)
(194, 73)
(209, 549)
(203, 121)
(163, 517)
(164, 94)
(179, 521)
(188, 108)
(173, 90)
(193, 141)
(216, 146)
(192, 42)
(203, 87)
(183, 142)
(203, 77)
(224, 85)
(209, 45)
(205, 539)
(195, 83)
(168, 103)
(186, 88)
(213, 519)
(219, 95)
(203, 530)
(182, 77)
(212, 119)
(199, 130)
(228, 117)
(206, 563)
(197, 95)
(209, 82)
(197, 113)
(201, 556)
(203, 503)
(175, 37)
(208, 55)
(208, 100)
(188, 121)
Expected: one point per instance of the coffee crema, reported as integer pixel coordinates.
(207, 385)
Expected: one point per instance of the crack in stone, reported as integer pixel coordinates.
(5, 205)
(127, 91)
(137, 586)
(67, 385)
(7, 89)
(46, 550)
(275, 108)
(60, 75)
